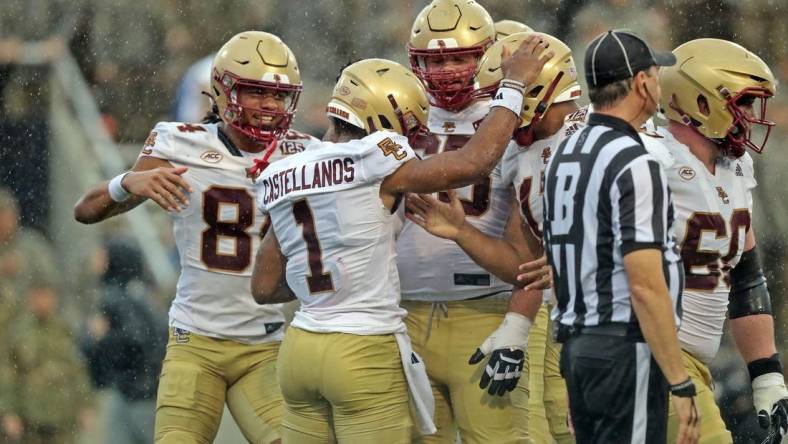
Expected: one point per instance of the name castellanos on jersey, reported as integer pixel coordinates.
(319, 174)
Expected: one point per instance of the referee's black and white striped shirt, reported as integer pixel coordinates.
(604, 197)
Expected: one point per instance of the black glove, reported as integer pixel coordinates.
(503, 370)
(776, 422)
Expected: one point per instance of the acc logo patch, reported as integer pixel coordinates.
(344, 91)
(211, 157)
(686, 173)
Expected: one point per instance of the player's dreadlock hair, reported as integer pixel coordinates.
(342, 69)
(212, 116)
(348, 129)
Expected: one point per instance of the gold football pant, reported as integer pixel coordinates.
(546, 397)
(446, 335)
(200, 373)
(351, 385)
(712, 427)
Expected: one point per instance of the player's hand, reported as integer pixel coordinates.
(569, 424)
(506, 348)
(13, 427)
(537, 274)
(526, 63)
(689, 419)
(165, 186)
(437, 217)
(770, 398)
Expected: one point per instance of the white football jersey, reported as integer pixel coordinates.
(218, 233)
(435, 269)
(712, 217)
(337, 235)
(523, 167)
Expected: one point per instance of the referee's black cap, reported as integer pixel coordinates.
(618, 55)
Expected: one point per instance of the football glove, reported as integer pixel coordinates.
(506, 348)
(770, 398)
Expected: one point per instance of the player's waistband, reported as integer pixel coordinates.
(503, 294)
(628, 331)
(270, 332)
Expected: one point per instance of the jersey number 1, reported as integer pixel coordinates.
(318, 280)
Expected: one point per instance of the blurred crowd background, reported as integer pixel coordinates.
(82, 82)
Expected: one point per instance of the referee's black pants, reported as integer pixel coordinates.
(617, 393)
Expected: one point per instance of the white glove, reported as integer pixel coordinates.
(770, 398)
(507, 344)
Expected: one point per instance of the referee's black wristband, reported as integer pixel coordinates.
(684, 389)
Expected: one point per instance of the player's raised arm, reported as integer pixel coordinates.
(150, 178)
(477, 158)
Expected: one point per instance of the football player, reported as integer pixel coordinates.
(453, 303)
(550, 98)
(715, 101)
(332, 212)
(223, 347)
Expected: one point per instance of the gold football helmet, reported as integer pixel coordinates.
(556, 83)
(505, 28)
(710, 88)
(377, 94)
(259, 60)
(443, 29)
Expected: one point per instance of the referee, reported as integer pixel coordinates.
(618, 275)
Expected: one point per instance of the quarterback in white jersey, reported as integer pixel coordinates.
(222, 345)
(710, 99)
(332, 246)
(522, 168)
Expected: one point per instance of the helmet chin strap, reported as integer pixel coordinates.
(254, 171)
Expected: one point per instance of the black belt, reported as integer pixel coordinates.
(618, 329)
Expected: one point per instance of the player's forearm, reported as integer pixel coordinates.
(270, 288)
(278, 295)
(754, 336)
(496, 255)
(655, 315)
(526, 303)
(97, 205)
(653, 307)
(485, 149)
